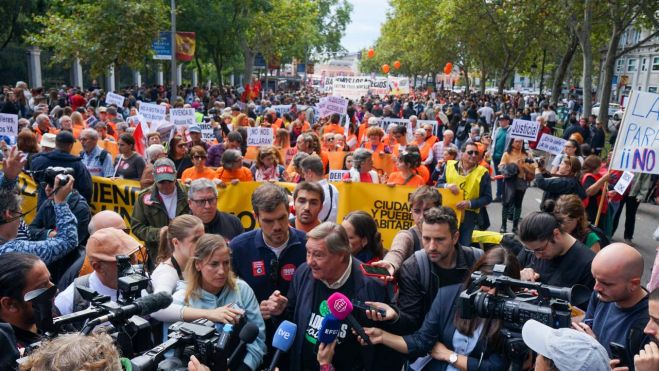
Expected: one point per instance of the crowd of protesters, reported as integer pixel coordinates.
(300, 253)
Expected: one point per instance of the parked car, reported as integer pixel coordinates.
(613, 108)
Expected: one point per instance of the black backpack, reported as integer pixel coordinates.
(604, 240)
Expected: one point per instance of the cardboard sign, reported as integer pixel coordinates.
(336, 175)
(335, 104)
(8, 125)
(259, 136)
(351, 87)
(152, 112)
(206, 131)
(551, 144)
(399, 85)
(637, 144)
(182, 116)
(112, 98)
(624, 182)
(524, 129)
(379, 86)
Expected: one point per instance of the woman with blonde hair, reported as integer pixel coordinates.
(77, 123)
(212, 284)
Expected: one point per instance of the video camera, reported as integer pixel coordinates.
(551, 306)
(51, 173)
(131, 280)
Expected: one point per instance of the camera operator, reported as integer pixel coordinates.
(21, 273)
(52, 248)
(102, 248)
(618, 307)
(552, 256)
(454, 342)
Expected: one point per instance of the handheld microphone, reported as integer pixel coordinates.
(329, 329)
(341, 307)
(283, 341)
(225, 333)
(247, 335)
(142, 306)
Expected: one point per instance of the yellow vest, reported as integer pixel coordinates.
(470, 184)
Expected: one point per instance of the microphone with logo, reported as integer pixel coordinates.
(329, 329)
(247, 335)
(142, 306)
(282, 341)
(341, 307)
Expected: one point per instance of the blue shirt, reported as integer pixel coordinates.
(94, 165)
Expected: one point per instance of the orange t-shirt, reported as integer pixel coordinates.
(333, 128)
(192, 173)
(398, 178)
(243, 174)
(423, 173)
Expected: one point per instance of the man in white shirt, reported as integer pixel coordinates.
(102, 250)
(312, 169)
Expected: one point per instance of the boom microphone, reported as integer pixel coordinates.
(341, 307)
(283, 340)
(247, 335)
(329, 329)
(142, 306)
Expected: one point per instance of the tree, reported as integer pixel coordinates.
(101, 32)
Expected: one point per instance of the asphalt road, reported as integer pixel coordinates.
(647, 219)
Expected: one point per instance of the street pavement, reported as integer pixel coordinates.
(647, 219)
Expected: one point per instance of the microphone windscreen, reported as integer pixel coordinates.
(154, 302)
(329, 329)
(339, 305)
(249, 332)
(284, 336)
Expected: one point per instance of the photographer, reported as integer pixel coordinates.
(564, 182)
(102, 248)
(454, 342)
(51, 249)
(551, 255)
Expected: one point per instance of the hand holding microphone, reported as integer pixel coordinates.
(282, 341)
(341, 308)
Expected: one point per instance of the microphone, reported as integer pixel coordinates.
(329, 329)
(341, 308)
(225, 333)
(283, 340)
(247, 335)
(142, 306)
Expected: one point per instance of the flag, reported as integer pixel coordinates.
(139, 140)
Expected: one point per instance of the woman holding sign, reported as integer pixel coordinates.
(406, 163)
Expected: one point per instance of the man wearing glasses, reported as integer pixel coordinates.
(102, 250)
(202, 199)
(553, 256)
(474, 180)
(157, 205)
(97, 160)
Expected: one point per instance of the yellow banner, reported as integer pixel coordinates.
(388, 205)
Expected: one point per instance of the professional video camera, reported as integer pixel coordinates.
(551, 306)
(131, 280)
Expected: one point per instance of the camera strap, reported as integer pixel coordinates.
(177, 267)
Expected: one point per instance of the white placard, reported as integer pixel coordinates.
(206, 131)
(260, 136)
(281, 109)
(551, 144)
(524, 129)
(399, 85)
(182, 116)
(637, 143)
(152, 112)
(624, 182)
(379, 86)
(336, 175)
(8, 125)
(335, 104)
(112, 98)
(351, 87)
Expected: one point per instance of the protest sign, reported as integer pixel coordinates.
(335, 104)
(182, 116)
(524, 129)
(336, 175)
(379, 86)
(206, 131)
(637, 143)
(351, 87)
(624, 182)
(281, 109)
(152, 112)
(259, 136)
(8, 125)
(326, 84)
(116, 99)
(399, 85)
(551, 144)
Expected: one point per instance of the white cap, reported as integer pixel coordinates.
(48, 140)
(569, 349)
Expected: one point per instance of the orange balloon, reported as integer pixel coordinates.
(385, 68)
(371, 53)
(396, 64)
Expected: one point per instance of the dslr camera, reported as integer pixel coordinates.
(56, 172)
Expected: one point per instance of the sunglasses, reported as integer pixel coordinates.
(471, 153)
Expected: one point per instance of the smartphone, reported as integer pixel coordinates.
(618, 352)
(371, 270)
(361, 305)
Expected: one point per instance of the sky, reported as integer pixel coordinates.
(365, 21)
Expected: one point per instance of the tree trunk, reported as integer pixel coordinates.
(466, 78)
(248, 54)
(584, 40)
(199, 69)
(217, 62)
(505, 75)
(483, 78)
(559, 75)
(609, 66)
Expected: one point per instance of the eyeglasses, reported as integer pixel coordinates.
(204, 201)
(471, 153)
(538, 251)
(181, 145)
(199, 157)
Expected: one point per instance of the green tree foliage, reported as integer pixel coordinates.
(101, 32)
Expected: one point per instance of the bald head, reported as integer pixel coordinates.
(106, 219)
(621, 258)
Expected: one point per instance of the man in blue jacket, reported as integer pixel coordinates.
(330, 268)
